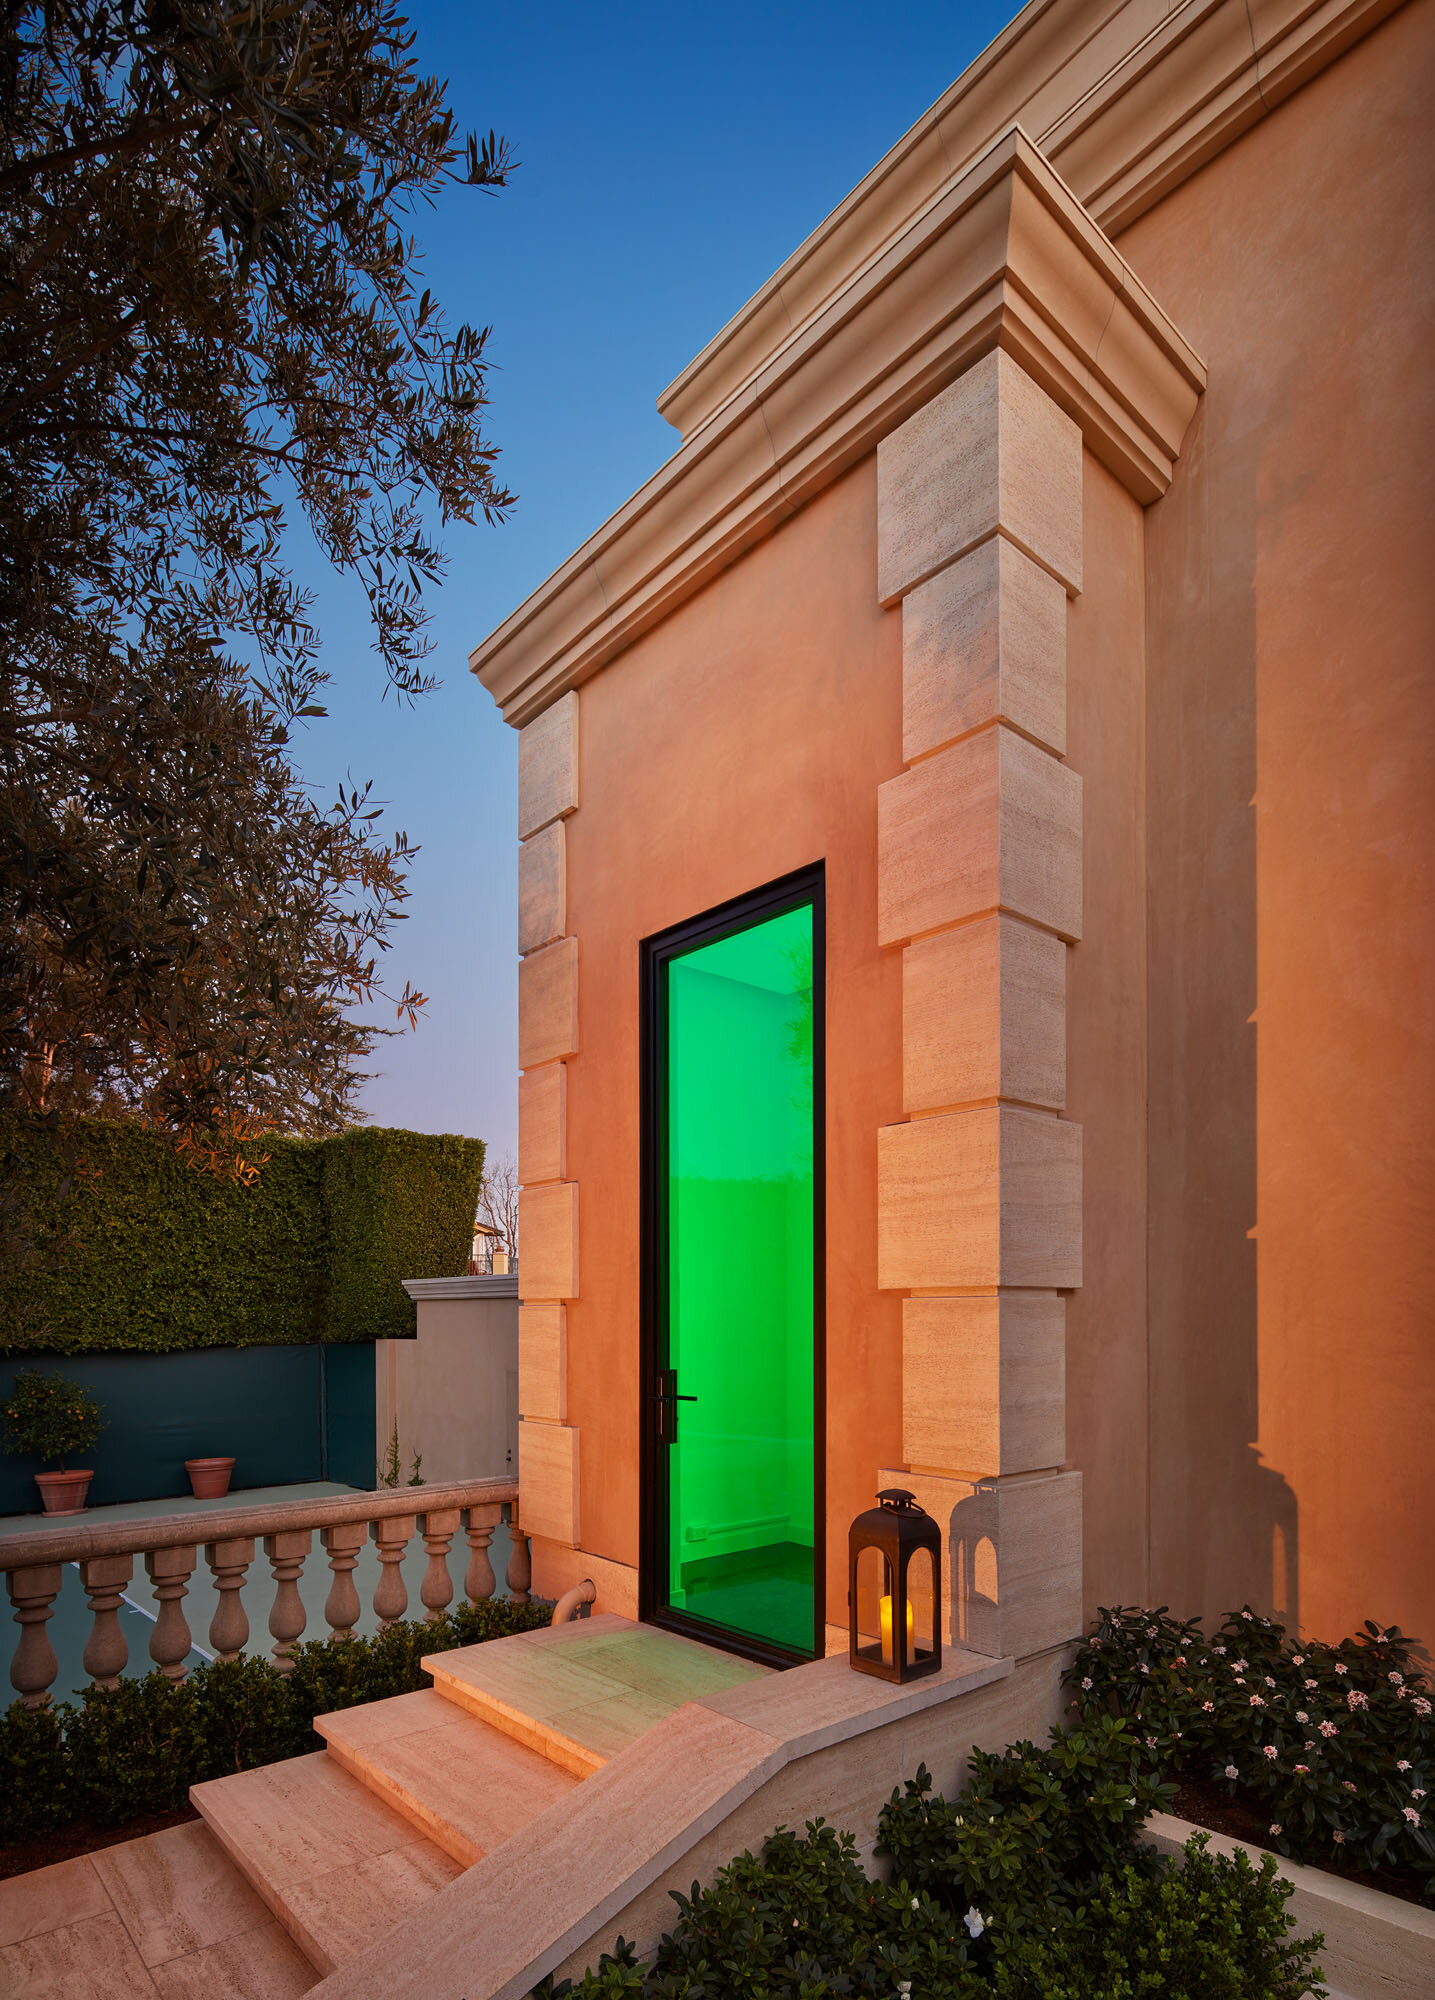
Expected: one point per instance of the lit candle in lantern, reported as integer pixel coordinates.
(885, 1613)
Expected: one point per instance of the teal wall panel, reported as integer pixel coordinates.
(285, 1414)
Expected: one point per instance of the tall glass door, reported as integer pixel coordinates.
(735, 1093)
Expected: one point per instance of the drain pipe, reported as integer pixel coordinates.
(567, 1606)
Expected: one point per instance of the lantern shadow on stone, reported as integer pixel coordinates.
(894, 1590)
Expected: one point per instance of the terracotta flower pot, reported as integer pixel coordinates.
(64, 1492)
(209, 1476)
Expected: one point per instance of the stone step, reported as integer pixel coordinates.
(580, 1693)
(165, 1914)
(336, 1865)
(465, 1785)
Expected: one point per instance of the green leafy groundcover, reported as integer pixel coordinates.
(1033, 1884)
(120, 1753)
(1333, 1743)
(146, 1254)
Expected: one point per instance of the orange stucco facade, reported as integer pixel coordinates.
(1247, 1028)
(741, 740)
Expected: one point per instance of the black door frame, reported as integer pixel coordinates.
(805, 885)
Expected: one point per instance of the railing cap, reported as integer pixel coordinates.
(140, 1534)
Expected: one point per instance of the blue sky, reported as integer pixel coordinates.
(672, 156)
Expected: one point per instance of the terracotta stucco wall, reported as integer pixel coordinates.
(1291, 836)
(743, 738)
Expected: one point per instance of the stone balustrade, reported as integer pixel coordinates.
(171, 1545)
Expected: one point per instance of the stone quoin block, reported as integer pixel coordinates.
(991, 823)
(984, 641)
(984, 1382)
(543, 888)
(992, 451)
(984, 1016)
(548, 1481)
(543, 1361)
(542, 1124)
(548, 1004)
(548, 766)
(548, 1241)
(979, 1199)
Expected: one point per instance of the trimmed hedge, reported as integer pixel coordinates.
(1033, 1884)
(398, 1205)
(153, 1256)
(121, 1753)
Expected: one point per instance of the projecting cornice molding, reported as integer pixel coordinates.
(1006, 257)
(1125, 99)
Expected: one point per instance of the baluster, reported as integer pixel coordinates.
(342, 1610)
(520, 1565)
(33, 1592)
(436, 1590)
(286, 1555)
(169, 1570)
(391, 1599)
(479, 1580)
(106, 1649)
(229, 1627)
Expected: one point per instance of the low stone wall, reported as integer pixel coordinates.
(453, 1389)
(1376, 1947)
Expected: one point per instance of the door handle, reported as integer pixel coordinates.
(667, 1399)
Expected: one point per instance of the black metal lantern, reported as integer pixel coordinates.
(894, 1589)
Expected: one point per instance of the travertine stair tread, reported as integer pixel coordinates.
(580, 1693)
(337, 1866)
(464, 1784)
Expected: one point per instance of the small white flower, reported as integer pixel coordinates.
(1339, 1839)
(916, 1903)
(975, 1922)
(1275, 1826)
(1245, 1614)
(1297, 1659)
(1397, 1680)
(1087, 1682)
(1270, 1750)
(1239, 1666)
(1209, 1707)
(1412, 1815)
(1355, 1699)
(1220, 1649)
(1231, 1771)
(1304, 1770)
(1150, 1631)
(1418, 1792)
(1269, 1682)
(1403, 1765)
(1422, 1707)
(1257, 1701)
(1341, 1667)
(1301, 1716)
(904, 1987)
(1328, 1729)
(1349, 1784)
(1144, 1668)
(1310, 1684)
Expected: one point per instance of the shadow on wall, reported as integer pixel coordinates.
(1224, 1526)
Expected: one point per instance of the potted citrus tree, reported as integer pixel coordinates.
(51, 1418)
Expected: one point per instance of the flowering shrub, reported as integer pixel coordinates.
(50, 1418)
(1031, 1885)
(1335, 1742)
